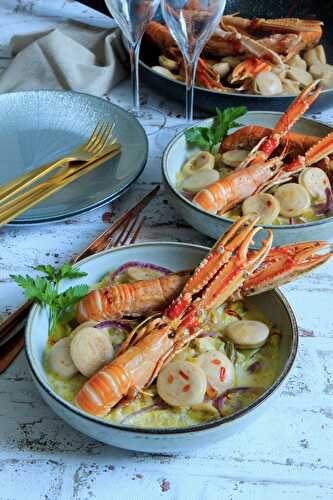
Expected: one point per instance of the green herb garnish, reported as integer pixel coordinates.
(45, 289)
(208, 138)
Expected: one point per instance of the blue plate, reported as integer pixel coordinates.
(40, 126)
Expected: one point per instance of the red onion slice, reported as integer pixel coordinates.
(154, 407)
(207, 334)
(327, 207)
(114, 324)
(220, 402)
(141, 265)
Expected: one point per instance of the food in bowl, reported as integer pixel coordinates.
(280, 177)
(207, 355)
(266, 57)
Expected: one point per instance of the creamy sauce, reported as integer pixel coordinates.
(254, 368)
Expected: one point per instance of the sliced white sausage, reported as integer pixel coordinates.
(60, 360)
(91, 323)
(200, 180)
(181, 383)
(267, 83)
(141, 273)
(222, 68)
(247, 334)
(297, 62)
(294, 199)
(199, 162)
(315, 56)
(219, 370)
(299, 75)
(164, 72)
(167, 63)
(264, 205)
(234, 157)
(91, 349)
(315, 181)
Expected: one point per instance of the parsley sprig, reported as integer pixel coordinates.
(45, 289)
(207, 138)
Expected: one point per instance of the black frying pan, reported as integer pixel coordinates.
(209, 99)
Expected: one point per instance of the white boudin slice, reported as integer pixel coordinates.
(264, 205)
(219, 370)
(200, 180)
(181, 383)
(234, 157)
(315, 182)
(60, 360)
(198, 162)
(86, 324)
(267, 83)
(294, 199)
(247, 334)
(91, 349)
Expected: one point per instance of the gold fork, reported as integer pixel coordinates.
(19, 204)
(128, 225)
(92, 148)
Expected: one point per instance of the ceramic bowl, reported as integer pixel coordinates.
(178, 151)
(176, 256)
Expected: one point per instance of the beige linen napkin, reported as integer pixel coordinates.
(72, 56)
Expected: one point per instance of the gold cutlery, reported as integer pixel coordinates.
(93, 148)
(124, 230)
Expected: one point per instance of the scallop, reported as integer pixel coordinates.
(91, 349)
(59, 359)
(181, 383)
(234, 157)
(167, 63)
(315, 56)
(294, 199)
(297, 62)
(219, 370)
(247, 334)
(315, 181)
(267, 83)
(164, 72)
(222, 68)
(199, 161)
(299, 75)
(264, 205)
(200, 180)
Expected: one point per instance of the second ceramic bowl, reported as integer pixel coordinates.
(213, 225)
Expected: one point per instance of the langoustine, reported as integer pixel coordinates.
(259, 172)
(219, 277)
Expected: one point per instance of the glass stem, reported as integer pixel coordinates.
(134, 51)
(190, 71)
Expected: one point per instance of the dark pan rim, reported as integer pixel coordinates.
(217, 218)
(172, 431)
(89, 207)
(233, 94)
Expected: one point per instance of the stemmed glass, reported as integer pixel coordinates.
(191, 23)
(133, 17)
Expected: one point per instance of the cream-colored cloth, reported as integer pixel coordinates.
(72, 56)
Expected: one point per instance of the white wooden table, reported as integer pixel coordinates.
(287, 453)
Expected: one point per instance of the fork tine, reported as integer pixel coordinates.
(137, 231)
(94, 138)
(103, 139)
(90, 141)
(126, 230)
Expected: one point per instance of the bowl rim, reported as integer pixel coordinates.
(216, 92)
(163, 431)
(217, 218)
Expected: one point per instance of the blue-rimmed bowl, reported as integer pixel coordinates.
(176, 256)
(212, 225)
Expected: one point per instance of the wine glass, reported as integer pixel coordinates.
(133, 17)
(191, 23)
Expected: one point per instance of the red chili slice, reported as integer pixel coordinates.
(186, 388)
(170, 378)
(216, 361)
(222, 373)
(182, 374)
